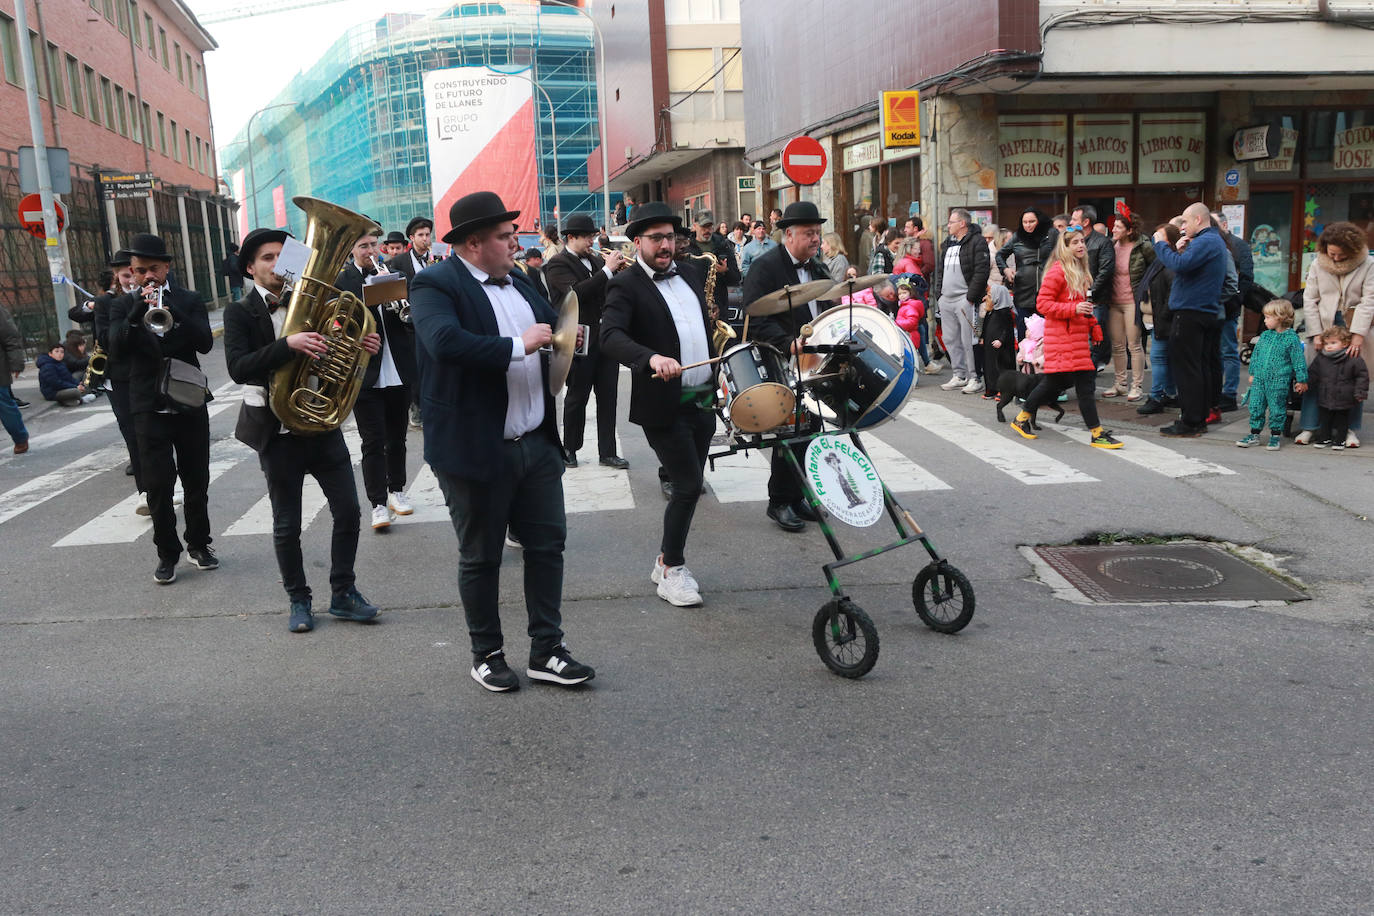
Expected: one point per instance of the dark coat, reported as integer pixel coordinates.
(11, 347)
(142, 351)
(1154, 288)
(53, 376)
(637, 324)
(462, 361)
(395, 332)
(769, 272)
(724, 250)
(973, 260)
(252, 349)
(1032, 253)
(1340, 381)
(232, 268)
(565, 271)
(1102, 265)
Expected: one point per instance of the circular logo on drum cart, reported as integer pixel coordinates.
(844, 480)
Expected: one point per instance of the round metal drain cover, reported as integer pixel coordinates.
(1161, 572)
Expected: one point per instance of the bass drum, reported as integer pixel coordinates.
(758, 390)
(864, 389)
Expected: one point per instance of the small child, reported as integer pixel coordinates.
(911, 317)
(998, 335)
(1342, 381)
(1276, 361)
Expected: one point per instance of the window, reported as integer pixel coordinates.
(39, 72)
(59, 87)
(10, 47)
(198, 167)
(734, 69)
(187, 147)
(181, 74)
(121, 113)
(147, 126)
(175, 153)
(122, 7)
(148, 32)
(687, 67)
(161, 134)
(200, 81)
(74, 78)
(92, 95)
(95, 5)
(134, 132)
(109, 9)
(133, 21)
(162, 40)
(107, 95)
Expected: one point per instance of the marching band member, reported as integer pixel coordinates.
(161, 428)
(655, 322)
(792, 262)
(577, 267)
(383, 406)
(491, 437)
(420, 231)
(117, 370)
(254, 349)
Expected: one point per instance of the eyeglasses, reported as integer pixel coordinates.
(658, 238)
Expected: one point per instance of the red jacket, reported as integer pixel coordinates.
(1069, 336)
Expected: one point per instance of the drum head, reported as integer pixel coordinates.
(877, 384)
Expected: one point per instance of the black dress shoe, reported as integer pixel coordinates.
(803, 511)
(570, 459)
(1180, 430)
(785, 518)
(1226, 405)
(615, 461)
(1149, 407)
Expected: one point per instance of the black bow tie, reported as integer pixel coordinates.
(496, 281)
(803, 265)
(278, 303)
(665, 274)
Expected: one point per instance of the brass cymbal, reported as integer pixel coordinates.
(564, 343)
(789, 297)
(849, 287)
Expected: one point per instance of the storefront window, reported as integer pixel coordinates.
(1285, 164)
(1034, 150)
(1340, 144)
(1102, 150)
(1351, 202)
(903, 190)
(1172, 147)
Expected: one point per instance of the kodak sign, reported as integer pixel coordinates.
(902, 118)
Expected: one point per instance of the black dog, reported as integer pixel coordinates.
(1013, 384)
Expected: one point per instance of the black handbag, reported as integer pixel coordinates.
(181, 385)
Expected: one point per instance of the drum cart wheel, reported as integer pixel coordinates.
(943, 597)
(845, 638)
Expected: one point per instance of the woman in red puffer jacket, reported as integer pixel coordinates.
(1070, 332)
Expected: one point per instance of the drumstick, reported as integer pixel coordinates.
(704, 362)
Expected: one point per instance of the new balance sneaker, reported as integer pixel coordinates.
(166, 572)
(302, 621)
(398, 503)
(492, 672)
(974, 386)
(381, 518)
(1274, 440)
(1103, 439)
(351, 605)
(558, 667)
(1247, 441)
(957, 382)
(678, 587)
(203, 557)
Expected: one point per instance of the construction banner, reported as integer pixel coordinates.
(481, 133)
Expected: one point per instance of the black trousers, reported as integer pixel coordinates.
(1000, 325)
(1334, 424)
(527, 495)
(1052, 384)
(383, 415)
(593, 372)
(124, 416)
(173, 445)
(1195, 364)
(285, 462)
(681, 447)
(783, 486)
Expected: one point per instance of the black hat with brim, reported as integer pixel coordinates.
(146, 245)
(394, 237)
(652, 214)
(579, 224)
(800, 213)
(120, 259)
(418, 223)
(476, 211)
(248, 249)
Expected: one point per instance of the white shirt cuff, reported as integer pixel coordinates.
(608, 272)
(517, 349)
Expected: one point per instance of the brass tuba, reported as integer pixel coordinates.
(315, 395)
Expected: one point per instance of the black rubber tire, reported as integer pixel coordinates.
(949, 605)
(853, 651)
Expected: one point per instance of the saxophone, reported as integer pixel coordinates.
(722, 333)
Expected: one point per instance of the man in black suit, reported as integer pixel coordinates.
(579, 268)
(491, 436)
(117, 371)
(706, 240)
(655, 322)
(254, 349)
(792, 262)
(383, 406)
(420, 231)
(161, 427)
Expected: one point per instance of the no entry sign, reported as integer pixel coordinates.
(31, 216)
(803, 160)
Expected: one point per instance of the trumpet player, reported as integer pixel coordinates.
(383, 406)
(173, 441)
(579, 268)
(117, 371)
(254, 349)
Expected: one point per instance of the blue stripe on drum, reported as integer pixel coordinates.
(897, 394)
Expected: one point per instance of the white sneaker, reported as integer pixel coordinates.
(511, 542)
(935, 367)
(1352, 440)
(142, 507)
(956, 382)
(1304, 438)
(678, 587)
(381, 517)
(657, 575)
(177, 498)
(399, 504)
(87, 398)
(973, 387)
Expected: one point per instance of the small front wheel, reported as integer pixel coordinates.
(845, 638)
(943, 598)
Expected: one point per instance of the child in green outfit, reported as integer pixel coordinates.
(1275, 363)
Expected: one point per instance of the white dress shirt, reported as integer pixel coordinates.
(804, 276)
(691, 333)
(524, 375)
(587, 263)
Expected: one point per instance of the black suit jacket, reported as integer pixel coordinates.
(769, 272)
(537, 279)
(724, 250)
(142, 351)
(565, 271)
(637, 324)
(395, 332)
(253, 352)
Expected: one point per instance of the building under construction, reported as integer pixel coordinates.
(351, 129)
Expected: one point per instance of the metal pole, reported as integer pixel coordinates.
(553, 134)
(598, 46)
(252, 173)
(209, 247)
(190, 276)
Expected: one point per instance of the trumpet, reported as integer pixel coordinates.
(401, 308)
(95, 369)
(158, 318)
(629, 252)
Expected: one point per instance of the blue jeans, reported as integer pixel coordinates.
(1161, 380)
(10, 417)
(1230, 358)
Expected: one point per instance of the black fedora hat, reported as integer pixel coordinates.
(475, 211)
(418, 223)
(800, 213)
(651, 214)
(120, 259)
(254, 240)
(579, 224)
(145, 245)
(394, 236)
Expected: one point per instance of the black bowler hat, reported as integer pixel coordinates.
(120, 259)
(475, 211)
(579, 224)
(149, 246)
(651, 214)
(418, 223)
(255, 240)
(800, 213)
(395, 236)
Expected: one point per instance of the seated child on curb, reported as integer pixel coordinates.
(1342, 381)
(1274, 365)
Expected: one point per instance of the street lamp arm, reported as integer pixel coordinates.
(600, 45)
(252, 173)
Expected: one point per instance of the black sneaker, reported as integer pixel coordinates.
(1150, 406)
(558, 667)
(351, 605)
(492, 672)
(1226, 405)
(203, 557)
(302, 621)
(166, 572)
(1179, 430)
(20, 402)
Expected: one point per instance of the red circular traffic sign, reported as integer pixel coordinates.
(803, 160)
(31, 216)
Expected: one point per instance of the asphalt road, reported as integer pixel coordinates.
(175, 750)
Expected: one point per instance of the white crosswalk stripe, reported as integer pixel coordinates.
(258, 519)
(1018, 461)
(1149, 455)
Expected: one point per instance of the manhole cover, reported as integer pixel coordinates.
(1164, 573)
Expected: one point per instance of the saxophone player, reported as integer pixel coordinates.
(253, 350)
(655, 322)
(705, 240)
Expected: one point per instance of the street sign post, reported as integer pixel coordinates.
(803, 160)
(132, 186)
(31, 216)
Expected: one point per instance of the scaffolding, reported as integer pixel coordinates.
(353, 129)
